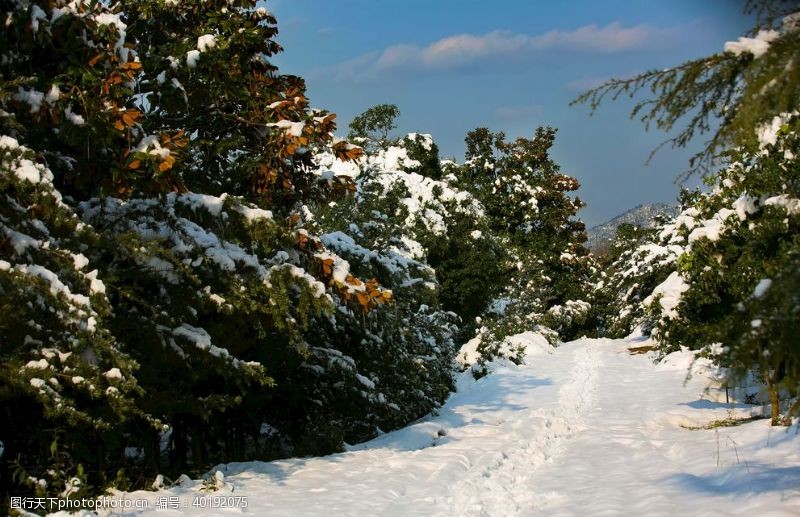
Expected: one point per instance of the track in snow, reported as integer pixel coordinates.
(537, 438)
(587, 428)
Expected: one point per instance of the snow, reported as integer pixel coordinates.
(20, 241)
(670, 291)
(294, 129)
(206, 41)
(366, 381)
(95, 286)
(791, 205)
(192, 57)
(76, 119)
(53, 95)
(588, 428)
(317, 287)
(113, 373)
(31, 97)
(36, 383)
(57, 287)
(757, 46)
(211, 203)
(202, 340)
(6, 142)
(254, 214)
(762, 287)
(745, 205)
(768, 132)
(37, 14)
(791, 22)
(393, 159)
(41, 364)
(328, 162)
(150, 145)
(712, 228)
(28, 171)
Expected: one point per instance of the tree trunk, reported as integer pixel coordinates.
(774, 400)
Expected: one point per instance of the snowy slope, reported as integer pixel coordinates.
(584, 428)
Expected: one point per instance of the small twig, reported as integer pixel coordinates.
(736, 450)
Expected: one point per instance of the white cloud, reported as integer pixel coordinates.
(465, 49)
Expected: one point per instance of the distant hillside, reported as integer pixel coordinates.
(642, 215)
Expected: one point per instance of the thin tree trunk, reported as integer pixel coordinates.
(774, 400)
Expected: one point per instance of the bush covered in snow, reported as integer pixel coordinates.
(735, 290)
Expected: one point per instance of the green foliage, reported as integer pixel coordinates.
(469, 264)
(727, 94)
(372, 128)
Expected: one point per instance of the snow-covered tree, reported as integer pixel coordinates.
(157, 242)
(208, 74)
(638, 260)
(62, 367)
(528, 206)
(734, 292)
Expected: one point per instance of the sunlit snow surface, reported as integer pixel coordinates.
(586, 428)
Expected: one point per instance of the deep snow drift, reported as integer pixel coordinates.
(583, 428)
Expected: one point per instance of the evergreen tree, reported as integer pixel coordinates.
(741, 233)
(67, 387)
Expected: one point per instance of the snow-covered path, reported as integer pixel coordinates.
(584, 428)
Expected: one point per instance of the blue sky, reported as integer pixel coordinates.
(453, 65)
